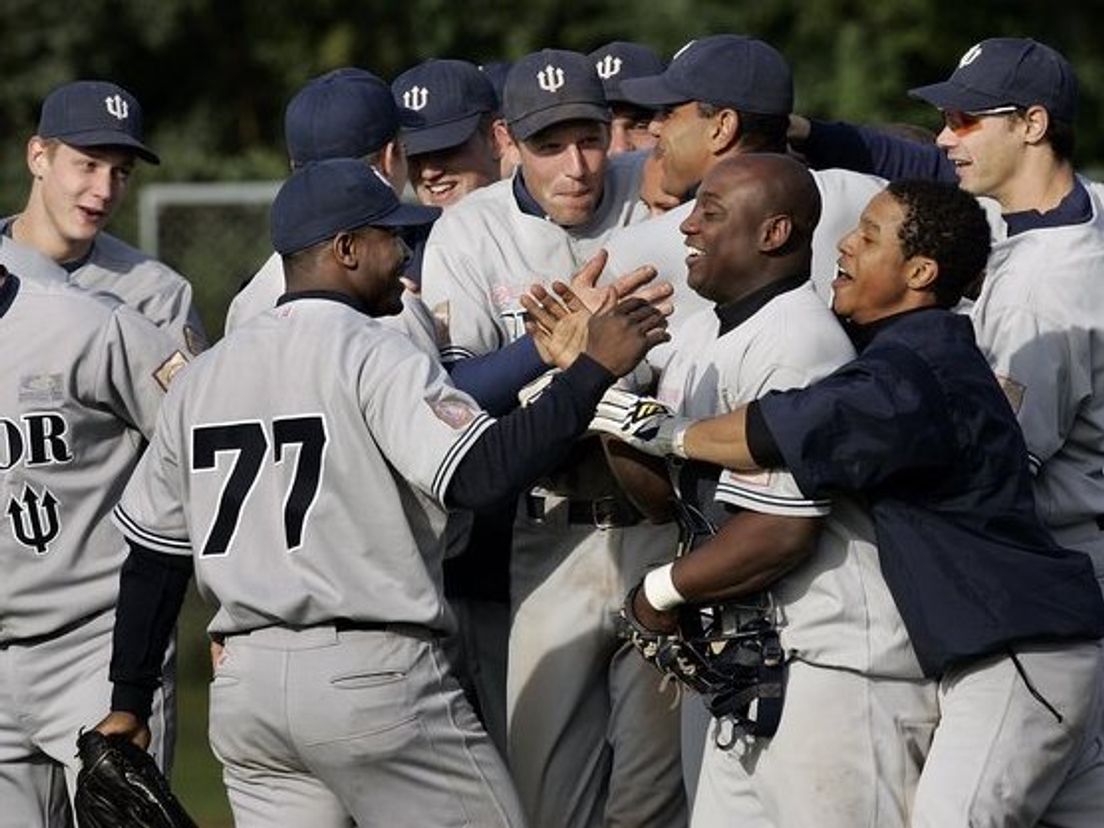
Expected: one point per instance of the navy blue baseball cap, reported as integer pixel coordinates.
(443, 101)
(621, 60)
(324, 198)
(346, 113)
(550, 87)
(94, 114)
(496, 71)
(724, 70)
(1007, 71)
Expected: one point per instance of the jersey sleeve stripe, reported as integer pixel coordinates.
(152, 540)
(456, 453)
(454, 353)
(772, 504)
(1034, 464)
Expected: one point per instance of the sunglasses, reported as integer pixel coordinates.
(959, 122)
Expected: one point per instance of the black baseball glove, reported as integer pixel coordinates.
(120, 786)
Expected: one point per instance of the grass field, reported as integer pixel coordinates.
(197, 775)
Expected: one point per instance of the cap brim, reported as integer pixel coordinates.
(531, 124)
(439, 137)
(407, 215)
(652, 92)
(109, 138)
(948, 95)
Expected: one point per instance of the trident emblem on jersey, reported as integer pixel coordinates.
(34, 519)
(416, 98)
(550, 78)
(608, 67)
(117, 106)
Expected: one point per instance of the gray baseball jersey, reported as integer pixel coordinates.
(1038, 322)
(85, 380)
(838, 610)
(27, 263)
(313, 445)
(151, 287)
(658, 242)
(484, 253)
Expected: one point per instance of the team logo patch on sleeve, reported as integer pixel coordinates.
(452, 413)
(1013, 390)
(168, 369)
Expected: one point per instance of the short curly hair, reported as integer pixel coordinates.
(946, 224)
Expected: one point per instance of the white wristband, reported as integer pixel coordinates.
(659, 589)
(678, 440)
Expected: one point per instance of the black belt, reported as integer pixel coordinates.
(604, 512)
(1100, 522)
(349, 625)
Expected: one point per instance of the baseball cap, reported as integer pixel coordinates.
(724, 70)
(324, 198)
(94, 114)
(549, 87)
(345, 113)
(443, 102)
(496, 71)
(620, 60)
(1005, 71)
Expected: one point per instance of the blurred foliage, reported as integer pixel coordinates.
(214, 75)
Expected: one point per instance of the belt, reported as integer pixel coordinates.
(1100, 522)
(603, 513)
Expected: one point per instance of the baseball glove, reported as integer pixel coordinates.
(119, 785)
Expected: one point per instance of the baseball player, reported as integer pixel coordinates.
(451, 151)
(590, 740)
(1007, 619)
(81, 157)
(333, 701)
(854, 703)
(722, 96)
(1009, 110)
(345, 113)
(85, 376)
(617, 62)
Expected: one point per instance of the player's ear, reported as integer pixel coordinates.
(921, 273)
(774, 232)
(38, 156)
(344, 249)
(1036, 121)
(393, 164)
(725, 130)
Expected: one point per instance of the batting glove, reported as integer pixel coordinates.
(644, 423)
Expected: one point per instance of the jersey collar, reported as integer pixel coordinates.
(332, 295)
(740, 311)
(1075, 208)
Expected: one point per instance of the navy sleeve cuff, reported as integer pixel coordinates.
(761, 445)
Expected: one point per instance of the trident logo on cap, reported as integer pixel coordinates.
(970, 56)
(117, 106)
(550, 78)
(608, 67)
(416, 98)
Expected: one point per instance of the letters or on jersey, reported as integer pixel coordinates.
(659, 242)
(1039, 323)
(152, 288)
(484, 253)
(83, 379)
(837, 609)
(303, 463)
(268, 285)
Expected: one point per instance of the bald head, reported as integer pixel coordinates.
(752, 224)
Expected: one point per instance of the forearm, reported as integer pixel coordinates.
(151, 591)
(721, 440)
(494, 380)
(749, 553)
(527, 442)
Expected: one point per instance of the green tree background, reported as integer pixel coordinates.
(214, 76)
